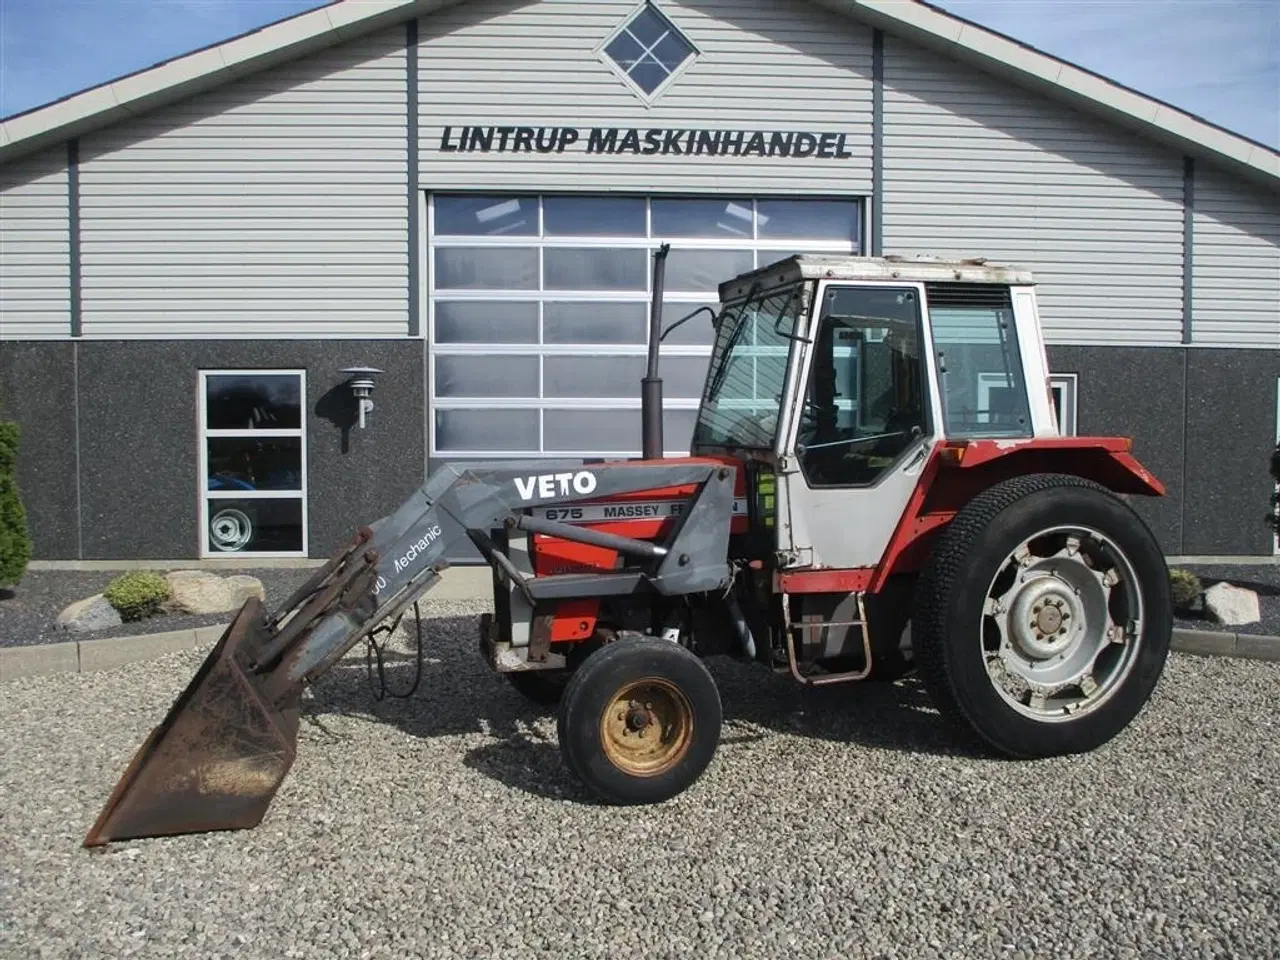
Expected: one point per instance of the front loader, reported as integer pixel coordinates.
(876, 485)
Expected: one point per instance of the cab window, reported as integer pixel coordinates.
(984, 392)
(864, 405)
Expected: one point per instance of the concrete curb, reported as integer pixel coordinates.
(88, 656)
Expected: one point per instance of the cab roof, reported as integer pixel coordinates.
(909, 269)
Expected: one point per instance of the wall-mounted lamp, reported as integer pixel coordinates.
(360, 380)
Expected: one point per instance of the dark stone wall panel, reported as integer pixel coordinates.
(1231, 433)
(37, 390)
(139, 438)
(1136, 392)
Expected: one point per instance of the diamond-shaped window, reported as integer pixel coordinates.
(648, 49)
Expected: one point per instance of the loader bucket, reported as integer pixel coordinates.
(219, 756)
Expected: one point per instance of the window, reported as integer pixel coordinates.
(1062, 387)
(865, 403)
(984, 393)
(539, 311)
(647, 50)
(253, 455)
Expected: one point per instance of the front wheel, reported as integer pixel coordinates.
(1044, 618)
(640, 721)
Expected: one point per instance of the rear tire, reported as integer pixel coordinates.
(1053, 666)
(640, 721)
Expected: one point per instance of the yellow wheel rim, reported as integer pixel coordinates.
(647, 728)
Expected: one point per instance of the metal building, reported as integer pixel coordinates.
(464, 195)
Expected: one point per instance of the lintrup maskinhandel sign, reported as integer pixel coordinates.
(650, 142)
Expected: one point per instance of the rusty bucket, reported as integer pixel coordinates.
(219, 756)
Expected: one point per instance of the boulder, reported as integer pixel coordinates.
(1229, 604)
(201, 592)
(92, 613)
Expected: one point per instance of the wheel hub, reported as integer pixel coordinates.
(647, 727)
(1065, 626)
(1044, 618)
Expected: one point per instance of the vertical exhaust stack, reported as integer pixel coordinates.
(651, 385)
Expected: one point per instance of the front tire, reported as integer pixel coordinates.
(640, 721)
(1044, 618)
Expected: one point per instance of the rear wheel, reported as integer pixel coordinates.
(640, 721)
(1044, 618)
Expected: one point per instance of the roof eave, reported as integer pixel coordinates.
(203, 70)
(1002, 56)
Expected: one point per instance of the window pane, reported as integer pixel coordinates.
(486, 268)
(486, 216)
(677, 428)
(977, 345)
(485, 430)
(486, 321)
(593, 322)
(254, 402)
(811, 220)
(864, 406)
(682, 376)
(697, 330)
(702, 218)
(698, 270)
(596, 268)
(591, 432)
(648, 74)
(487, 376)
(255, 526)
(648, 26)
(593, 376)
(273, 463)
(594, 216)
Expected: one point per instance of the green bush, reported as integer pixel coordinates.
(1186, 588)
(15, 538)
(138, 595)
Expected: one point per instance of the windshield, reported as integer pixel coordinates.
(748, 368)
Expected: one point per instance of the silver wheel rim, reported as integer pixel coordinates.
(1062, 624)
(230, 530)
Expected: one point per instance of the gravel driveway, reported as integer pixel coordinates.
(837, 823)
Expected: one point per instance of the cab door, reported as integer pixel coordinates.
(864, 423)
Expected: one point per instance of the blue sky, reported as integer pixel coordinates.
(1219, 59)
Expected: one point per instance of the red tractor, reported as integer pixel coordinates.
(876, 484)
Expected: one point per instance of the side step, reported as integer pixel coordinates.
(826, 679)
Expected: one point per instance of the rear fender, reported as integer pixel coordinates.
(960, 470)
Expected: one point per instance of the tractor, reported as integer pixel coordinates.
(876, 485)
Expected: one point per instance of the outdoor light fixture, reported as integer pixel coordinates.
(360, 380)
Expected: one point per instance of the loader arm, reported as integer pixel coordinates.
(228, 741)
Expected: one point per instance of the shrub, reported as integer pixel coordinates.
(15, 538)
(138, 595)
(1186, 588)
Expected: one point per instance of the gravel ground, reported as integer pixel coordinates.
(28, 614)
(1264, 579)
(836, 822)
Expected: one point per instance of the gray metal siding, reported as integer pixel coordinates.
(35, 284)
(272, 207)
(1236, 270)
(763, 66)
(974, 166)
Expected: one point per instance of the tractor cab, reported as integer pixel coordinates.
(835, 378)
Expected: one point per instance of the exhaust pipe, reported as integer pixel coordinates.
(651, 385)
